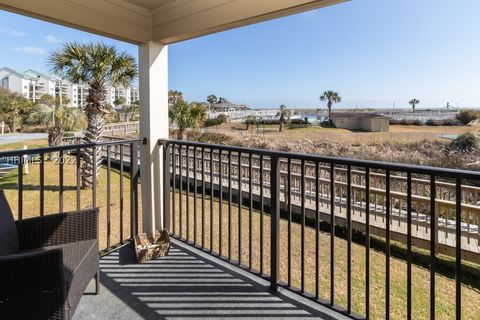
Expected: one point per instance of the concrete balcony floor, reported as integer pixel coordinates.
(188, 284)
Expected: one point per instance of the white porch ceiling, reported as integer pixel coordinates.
(166, 21)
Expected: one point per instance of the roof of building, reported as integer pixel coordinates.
(224, 103)
(31, 74)
(359, 115)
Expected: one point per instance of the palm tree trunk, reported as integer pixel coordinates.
(330, 112)
(55, 136)
(280, 129)
(181, 134)
(95, 111)
(14, 123)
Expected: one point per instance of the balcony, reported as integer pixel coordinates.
(262, 234)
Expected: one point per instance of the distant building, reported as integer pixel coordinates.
(371, 122)
(32, 85)
(224, 105)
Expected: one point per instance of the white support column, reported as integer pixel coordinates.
(153, 85)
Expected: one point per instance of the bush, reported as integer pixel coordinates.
(468, 142)
(206, 137)
(326, 124)
(467, 116)
(406, 122)
(444, 122)
(216, 121)
(113, 117)
(299, 121)
(34, 129)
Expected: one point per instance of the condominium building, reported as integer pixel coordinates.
(32, 85)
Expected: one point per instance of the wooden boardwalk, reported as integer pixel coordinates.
(421, 221)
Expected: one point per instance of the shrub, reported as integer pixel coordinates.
(216, 121)
(326, 124)
(299, 121)
(443, 122)
(467, 142)
(34, 129)
(451, 122)
(467, 116)
(222, 118)
(113, 117)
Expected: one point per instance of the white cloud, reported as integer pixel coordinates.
(52, 39)
(30, 50)
(13, 32)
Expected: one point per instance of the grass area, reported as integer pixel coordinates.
(445, 284)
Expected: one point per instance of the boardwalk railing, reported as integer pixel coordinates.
(233, 202)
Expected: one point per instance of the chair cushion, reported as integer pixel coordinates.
(8, 230)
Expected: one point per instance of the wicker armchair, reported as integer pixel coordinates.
(46, 263)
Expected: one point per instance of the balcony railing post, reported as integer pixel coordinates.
(166, 185)
(274, 221)
(133, 189)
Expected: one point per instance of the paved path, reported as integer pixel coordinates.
(19, 137)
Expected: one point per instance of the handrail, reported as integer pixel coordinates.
(64, 148)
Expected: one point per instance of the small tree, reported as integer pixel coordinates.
(186, 115)
(134, 110)
(331, 97)
(120, 101)
(56, 115)
(250, 120)
(414, 103)
(284, 115)
(174, 96)
(13, 108)
(212, 99)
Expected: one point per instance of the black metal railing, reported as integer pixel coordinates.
(325, 196)
(48, 180)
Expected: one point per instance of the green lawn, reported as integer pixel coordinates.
(445, 284)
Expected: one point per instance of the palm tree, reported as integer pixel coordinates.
(134, 109)
(119, 103)
(54, 112)
(212, 99)
(94, 64)
(414, 103)
(284, 114)
(185, 116)
(173, 96)
(249, 120)
(331, 97)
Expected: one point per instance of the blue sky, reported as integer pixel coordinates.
(373, 52)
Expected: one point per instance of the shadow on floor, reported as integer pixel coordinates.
(183, 285)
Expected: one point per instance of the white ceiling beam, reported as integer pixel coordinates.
(112, 19)
(196, 18)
